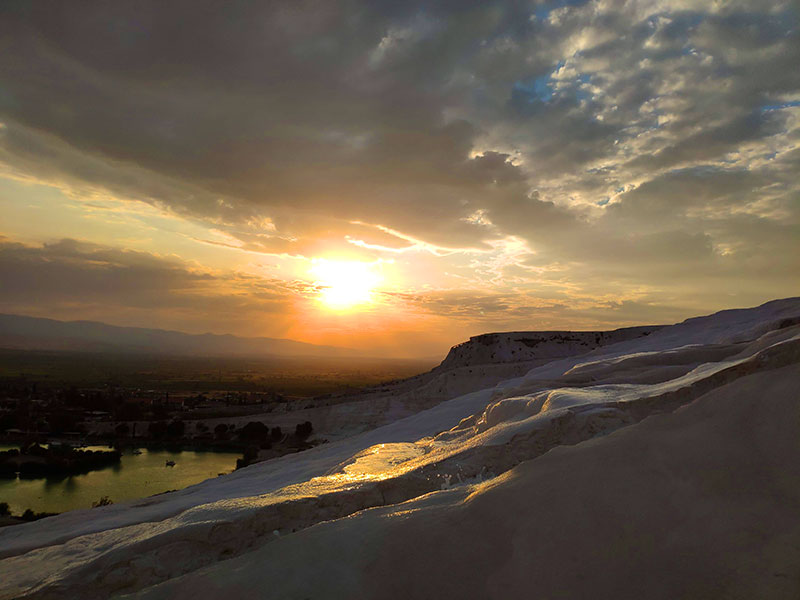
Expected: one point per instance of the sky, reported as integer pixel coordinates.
(397, 176)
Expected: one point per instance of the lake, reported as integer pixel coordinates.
(136, 476)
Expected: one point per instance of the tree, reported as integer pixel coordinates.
(303, 430)
(175, 429)
(160, 411)
(157, 429)
(253, 431)
(8, 421)
(129, 411)
(250, 454)
(276, 434)
(4, 509)
(221, 431)
(61, 421)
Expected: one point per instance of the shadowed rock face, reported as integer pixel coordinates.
(521, 346)
(622, 459)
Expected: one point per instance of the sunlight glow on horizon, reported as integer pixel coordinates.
(345, 284)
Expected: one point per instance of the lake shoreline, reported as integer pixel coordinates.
(136, 476)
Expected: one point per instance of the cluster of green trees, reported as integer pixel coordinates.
(33, 460)
(159, 430)
(262, 437)
(45, 420)
(28, 515)
(303, 430)
(254, 431)
(255, 434)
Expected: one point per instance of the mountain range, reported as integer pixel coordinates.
(33, 333)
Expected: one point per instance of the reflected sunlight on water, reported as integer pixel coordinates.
(380, 460)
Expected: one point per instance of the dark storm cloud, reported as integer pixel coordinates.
(643, 141)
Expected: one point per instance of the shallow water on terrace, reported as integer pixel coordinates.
(376, 462)
(136, 476)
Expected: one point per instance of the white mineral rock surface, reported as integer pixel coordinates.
(664, 465)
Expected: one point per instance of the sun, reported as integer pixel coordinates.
(345, 284)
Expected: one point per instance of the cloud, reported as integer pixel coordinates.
(73, 279)
(631, 148)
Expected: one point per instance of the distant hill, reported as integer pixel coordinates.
(31, 333)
